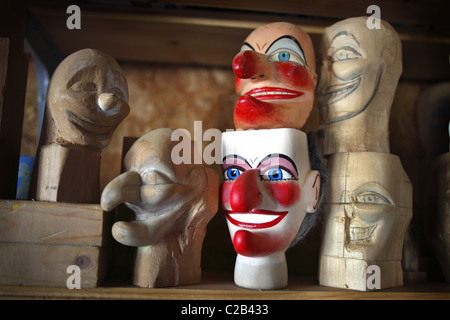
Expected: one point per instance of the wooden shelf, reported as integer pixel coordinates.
(210, 33)
(220, 286)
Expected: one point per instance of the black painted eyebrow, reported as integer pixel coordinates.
(235, 156)
(290, 38)
(280, 155)
(249, 45)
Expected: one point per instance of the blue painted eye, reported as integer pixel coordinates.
(284, 56)
(232, 173)
(275, 174)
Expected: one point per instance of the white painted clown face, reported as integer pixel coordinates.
(268, 188)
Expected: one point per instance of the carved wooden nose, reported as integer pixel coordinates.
(250, 64)
(245, 193)
(107, 101)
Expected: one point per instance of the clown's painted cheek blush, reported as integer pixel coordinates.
(263, 107)
(293, 75)
(285, 193)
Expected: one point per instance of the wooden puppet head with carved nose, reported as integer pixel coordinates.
(165, 197)
(86, 101)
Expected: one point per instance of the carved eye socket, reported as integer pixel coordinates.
(371, 197)
(345, 53)
(83, 86)
(154, 177)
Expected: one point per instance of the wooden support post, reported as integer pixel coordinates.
(61, 181)
(13, 81)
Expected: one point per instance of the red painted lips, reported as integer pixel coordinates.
(255, 219)
(274, 93)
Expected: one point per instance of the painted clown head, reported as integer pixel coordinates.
(275, 78)
(268, 190)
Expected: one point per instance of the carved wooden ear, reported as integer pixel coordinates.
(314, 79)
(205, 184)
(389, 53)
(197, 178)
(312, 191)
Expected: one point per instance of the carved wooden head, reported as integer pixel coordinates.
(166, 198)
(358, 65)
(87, 99)
(275, 78)
(369, 206)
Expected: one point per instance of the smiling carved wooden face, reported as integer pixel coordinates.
(87, 100)
(275, 78)
(358, 66)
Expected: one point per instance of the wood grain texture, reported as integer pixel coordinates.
(68, 174)
(433, 13)
(367, 211)
(39, 240)
(50, 223)
(213, 37)
(46, 265)
(216, 286)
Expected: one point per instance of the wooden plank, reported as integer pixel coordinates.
(46, 265)
(39, 240)
(434, 12)
(143, 37)
(215, 287)
(52, 223)
(211, 38)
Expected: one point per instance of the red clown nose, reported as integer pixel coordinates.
(245, 194)
(250, 64)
